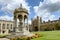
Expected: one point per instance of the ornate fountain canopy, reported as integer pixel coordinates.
(21, 9)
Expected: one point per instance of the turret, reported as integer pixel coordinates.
(40, 20)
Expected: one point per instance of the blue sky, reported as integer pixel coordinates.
(47, 9)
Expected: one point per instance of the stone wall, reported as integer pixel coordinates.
(44, 26)
(6, 26)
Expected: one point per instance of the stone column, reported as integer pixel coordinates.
(27, 24)
(12, 26)
(7, 30)
(15, 24)
(1, 28)
(9, 26)
(5, 26)
(38, 25)
(23, 22)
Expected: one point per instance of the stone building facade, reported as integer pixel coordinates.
(39, 25)
(6, 26)
(36, 25)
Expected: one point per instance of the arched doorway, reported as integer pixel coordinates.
(36, 28)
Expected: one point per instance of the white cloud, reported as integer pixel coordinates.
(8, 6)
(6, 17)
(48, 16)
(46, 8)
(29, 21)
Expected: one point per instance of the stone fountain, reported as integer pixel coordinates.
(21, 14)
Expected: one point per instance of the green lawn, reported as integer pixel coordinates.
(48, 35)
(3, 35)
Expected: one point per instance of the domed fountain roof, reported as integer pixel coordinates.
(21, 9)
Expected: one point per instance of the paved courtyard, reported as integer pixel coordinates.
(4, 39)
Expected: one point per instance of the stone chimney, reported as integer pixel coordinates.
(59, 18)
(43, 21)
(49, 21)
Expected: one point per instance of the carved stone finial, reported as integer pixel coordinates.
(20, 5)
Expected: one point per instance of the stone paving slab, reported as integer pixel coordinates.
(4, 39)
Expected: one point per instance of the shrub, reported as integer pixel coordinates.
(13, 39)
(24, 37)
(37, 35)
(18, 39)
(29, 38)
(32, 37)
